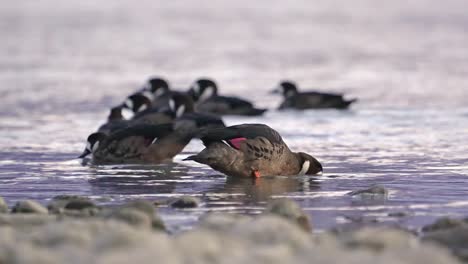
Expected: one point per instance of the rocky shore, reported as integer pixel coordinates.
(74, 229)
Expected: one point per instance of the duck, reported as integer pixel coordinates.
(293, 99)
(115, 121)
(143, 143)
(144, 113)
(158, 91)
(204, 93)
(252, 150)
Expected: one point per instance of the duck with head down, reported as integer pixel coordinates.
(145, 143)
(293, 99)
(205, 94)
(252, 150)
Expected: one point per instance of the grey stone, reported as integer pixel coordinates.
(79, 205)
(290, 210)
(444, 223)
(69, 202)
(29, 206)
(132, 217)
(185, 202)
(143, 206)
(375, 192)
(455, 238)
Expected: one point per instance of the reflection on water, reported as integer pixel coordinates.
(63, 67)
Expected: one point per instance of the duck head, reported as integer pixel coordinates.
(180, 104)
(157, 87)
(137, 103)
(92, 144)
(286, 88)
(115, 113)
(310, 165)
(203, 89)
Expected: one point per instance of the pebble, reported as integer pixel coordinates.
(375, 192)
(29, 206)
(185, 202)
(290, 210)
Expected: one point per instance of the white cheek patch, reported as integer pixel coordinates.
(129, 103)
(305, 168)
(88, 146)
(196, 88)
(207, 93)
(95, 146)
(180, 111)
(127, 113)
(142, 108)
(148, 95)
(172, 105)
(154, 140)
(159, 92)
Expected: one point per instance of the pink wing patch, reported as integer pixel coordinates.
(235, 142)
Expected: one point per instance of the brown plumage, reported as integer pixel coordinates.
(252, 150)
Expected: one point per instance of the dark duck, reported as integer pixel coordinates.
(205, 94)
(149, 144)
(293, 99)
(157, 90)
(177, 105)
(252, 150)
(115, 121)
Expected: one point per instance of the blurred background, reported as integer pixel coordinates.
(90, 54)
(63, 64)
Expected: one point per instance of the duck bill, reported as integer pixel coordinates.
(85, 153)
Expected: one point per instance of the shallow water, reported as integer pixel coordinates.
(63, 67)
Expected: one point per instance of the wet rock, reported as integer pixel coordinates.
(147, 208)
(455, 238)
(397, 214)
(375, 192)
(29, 206)
(444, 223)
(378, 239)
(3, 206)
(79, 205)
(143, 206)
(185, 202)
(132, 217)
(290, 210)
(61, 203)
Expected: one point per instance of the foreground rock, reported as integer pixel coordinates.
(30, 207)
(127, 233)
(451, 233)
(3, 206)
(290, 210)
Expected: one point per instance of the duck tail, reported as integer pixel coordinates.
(256, 112)
(346, 103)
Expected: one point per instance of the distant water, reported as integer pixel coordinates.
(64, 64)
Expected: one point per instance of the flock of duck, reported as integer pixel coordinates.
(155, 124)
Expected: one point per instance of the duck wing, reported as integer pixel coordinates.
(233, 134)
